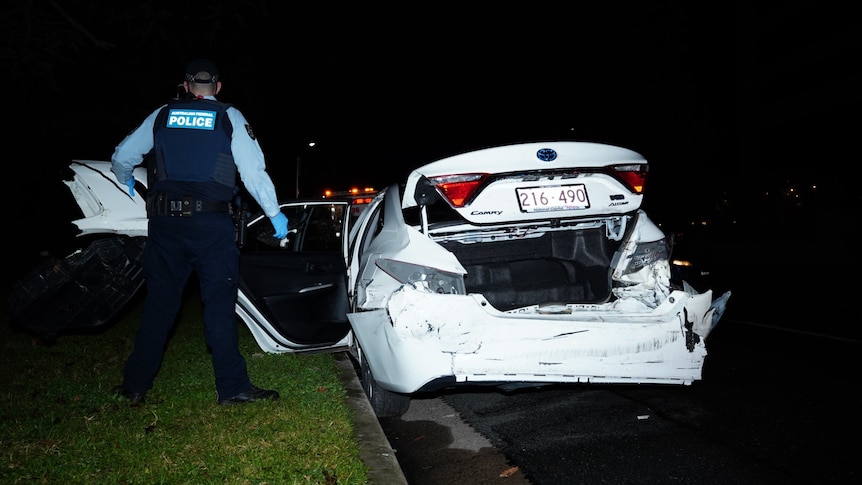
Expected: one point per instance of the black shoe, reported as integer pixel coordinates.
(134, 397)
(252, 395)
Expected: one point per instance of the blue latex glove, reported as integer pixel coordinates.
(279, 222)
(131, 185)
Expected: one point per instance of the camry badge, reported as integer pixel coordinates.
(546, 154)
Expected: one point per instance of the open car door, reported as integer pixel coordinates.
(293, 292)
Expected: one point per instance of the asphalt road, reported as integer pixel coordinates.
(775, 406)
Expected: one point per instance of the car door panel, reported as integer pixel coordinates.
(303, 296)
(299, 284)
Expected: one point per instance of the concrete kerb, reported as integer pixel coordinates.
(374, 448)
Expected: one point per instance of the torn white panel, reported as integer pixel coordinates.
(652, 286)
(105, 203)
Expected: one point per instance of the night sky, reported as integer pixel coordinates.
(725, 100)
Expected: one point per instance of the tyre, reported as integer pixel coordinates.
(386, 404)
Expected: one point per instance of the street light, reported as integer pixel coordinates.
(310, 144)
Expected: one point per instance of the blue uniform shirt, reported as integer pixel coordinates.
(246, 150)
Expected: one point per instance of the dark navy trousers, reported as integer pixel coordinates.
(176, 246)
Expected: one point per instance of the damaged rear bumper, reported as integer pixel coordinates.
(424, 337)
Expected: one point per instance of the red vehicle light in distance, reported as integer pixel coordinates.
(359, 196)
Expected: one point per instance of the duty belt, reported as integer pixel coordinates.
(160, 204)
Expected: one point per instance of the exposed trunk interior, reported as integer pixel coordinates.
(558, 267)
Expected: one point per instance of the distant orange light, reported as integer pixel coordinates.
(352, 192)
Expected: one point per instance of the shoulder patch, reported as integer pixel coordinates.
(248, 129)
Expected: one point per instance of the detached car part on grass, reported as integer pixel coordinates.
(512, 266)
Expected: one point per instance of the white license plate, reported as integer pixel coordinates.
(553, 198)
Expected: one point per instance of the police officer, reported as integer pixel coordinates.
(197, 145)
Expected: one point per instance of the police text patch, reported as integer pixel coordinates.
(191, 119)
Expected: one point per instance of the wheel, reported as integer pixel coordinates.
(386, 404)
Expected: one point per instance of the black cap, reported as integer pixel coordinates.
(202, 71)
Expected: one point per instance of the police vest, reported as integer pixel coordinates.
(191, 148)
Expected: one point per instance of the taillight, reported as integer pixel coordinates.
(458, 189)
(424, 277)
(633, 176)
(646, 254)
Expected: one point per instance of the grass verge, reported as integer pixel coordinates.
(60, 422)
